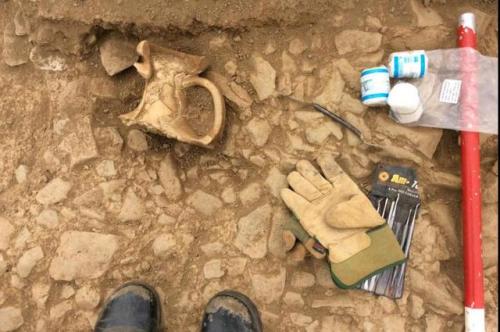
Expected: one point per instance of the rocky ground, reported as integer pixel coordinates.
(87, 203)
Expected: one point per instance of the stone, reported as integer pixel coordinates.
(80, 144)
(276, 244)
(16, 49)
(40, 293)
(106, 168)
(117, 53)
(288, 64)
(439, 292)
(16, 282)
(426, 16)
(275, 181)
(373, 23)
(21, 173)
(293, 299)
(416, 306)
(296, 143)
(67, 292)
(297, 46)
(228, 195)
(169, 178)
(28, 261)
(164, 245)
(231, 67)
(350, 104)
(21, 25)
(250, 194)
(393, 323)
(204, 203)
(490, 235)
(424, 140)
(443, 216)
(109, 141)
(60, 309)
(212, 249)
(302, 280)
(349, 74)
(83, 255)
(263, 78)
(236, 266)
(444, 179)
(218, 42)
(132, 208)
(11, 319)
(323, 274)
(3, 267)
(386, 304)
(253, 230)
(320, 132)
(269, 49)
(6, 231)
(22, 238)
(489, 192)
(55, 191)
(349, 41)
(137, 141)
(268, 287)
(213, 269)
(332, 92)
(259, 131)
(47, 58)
(166, 220)
(231, 90)
(87, 298)
(92, 197)
(300, 319)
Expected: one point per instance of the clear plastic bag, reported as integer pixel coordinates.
(459, 91)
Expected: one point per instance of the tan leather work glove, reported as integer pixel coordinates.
(332, 209)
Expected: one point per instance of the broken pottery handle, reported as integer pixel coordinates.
(218, 102)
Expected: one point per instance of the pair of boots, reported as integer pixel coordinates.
(135, 307)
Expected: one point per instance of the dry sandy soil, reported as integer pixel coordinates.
(87, 203)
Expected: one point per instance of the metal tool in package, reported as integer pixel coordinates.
(395, 196)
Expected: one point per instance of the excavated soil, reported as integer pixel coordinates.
(87, 203)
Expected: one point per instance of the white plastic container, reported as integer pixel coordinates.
(411, 64)
(405, 103)
(375, 86)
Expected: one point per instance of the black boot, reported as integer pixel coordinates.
(231, 311)
(134, 307)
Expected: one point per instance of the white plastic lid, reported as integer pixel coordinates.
(405, 103)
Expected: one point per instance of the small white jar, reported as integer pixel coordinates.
(375, 86)
(411, 64)
(405, 103)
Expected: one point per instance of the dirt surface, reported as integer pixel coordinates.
(87, 203)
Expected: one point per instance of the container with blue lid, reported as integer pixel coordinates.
(375, 86)
(411, 64)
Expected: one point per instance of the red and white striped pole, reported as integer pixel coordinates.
(471, 180)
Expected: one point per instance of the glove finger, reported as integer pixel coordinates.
(329, 166)
(303, 187)
(298, 204)
(289, 240)
(311, 174)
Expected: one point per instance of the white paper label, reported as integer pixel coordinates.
(450, 91)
